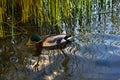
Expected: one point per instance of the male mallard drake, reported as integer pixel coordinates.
(51, 41)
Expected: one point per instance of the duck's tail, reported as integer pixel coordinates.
(68, 37)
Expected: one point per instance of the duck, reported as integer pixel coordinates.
(51, 41)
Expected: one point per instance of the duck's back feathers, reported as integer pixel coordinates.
(54, 40)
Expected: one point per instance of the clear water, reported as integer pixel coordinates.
(93, 55)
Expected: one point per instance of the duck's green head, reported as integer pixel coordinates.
(35, 38)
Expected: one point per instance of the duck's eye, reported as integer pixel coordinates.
(58, 41)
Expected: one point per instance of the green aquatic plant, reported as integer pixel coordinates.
(1, 27)
(2, 8)
(52, 12)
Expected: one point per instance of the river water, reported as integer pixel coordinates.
(94, 53)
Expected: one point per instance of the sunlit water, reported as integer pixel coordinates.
(93, 55)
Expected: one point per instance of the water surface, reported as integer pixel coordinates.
(93, 55)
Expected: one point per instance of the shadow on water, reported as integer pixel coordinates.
(79, 61)
(93, 56)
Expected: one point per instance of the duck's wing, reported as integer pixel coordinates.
(56, 39)
(53, 38)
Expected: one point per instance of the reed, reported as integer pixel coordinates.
(25, 4)
(13, 19)
(2, 8)
(52, 12)
(1, 27)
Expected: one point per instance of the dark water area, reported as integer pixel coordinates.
(94, 53)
